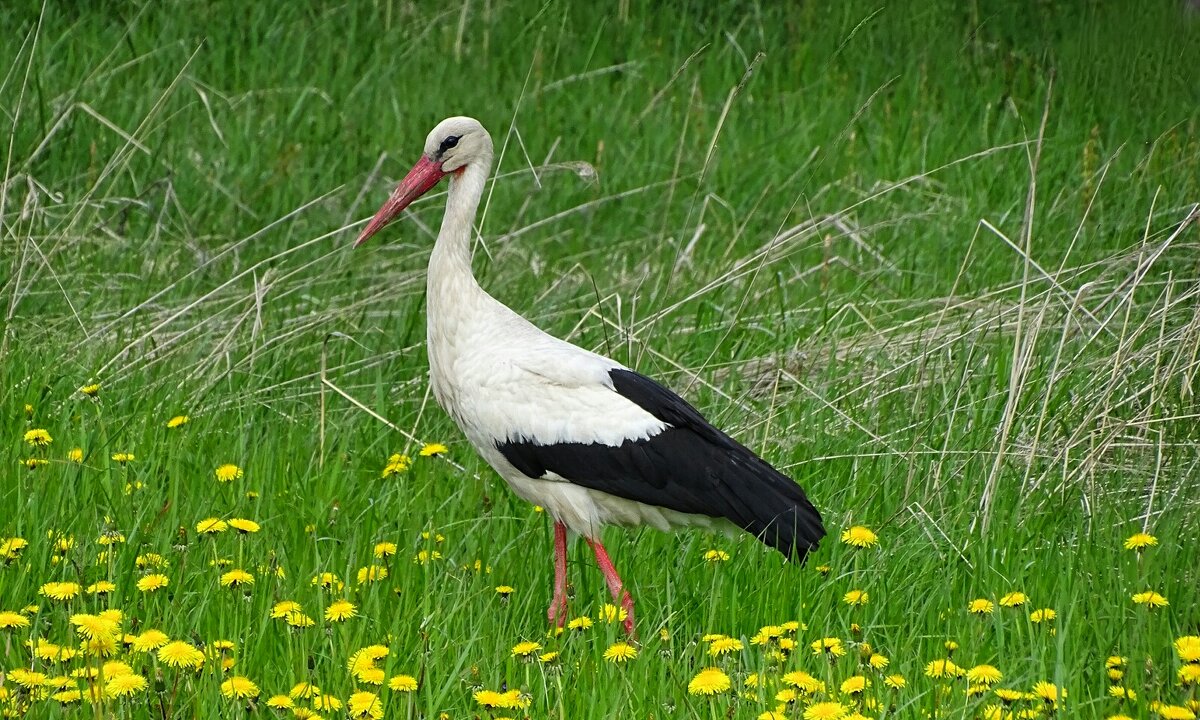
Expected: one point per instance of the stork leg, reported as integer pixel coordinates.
(558, 606)
(615, 586)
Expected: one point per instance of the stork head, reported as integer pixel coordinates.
(454, 144)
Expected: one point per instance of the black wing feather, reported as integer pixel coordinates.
(690, 467)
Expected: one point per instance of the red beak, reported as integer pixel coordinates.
(424, 175)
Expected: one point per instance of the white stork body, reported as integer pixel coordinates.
(591, 441)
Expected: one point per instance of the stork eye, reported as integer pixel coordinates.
(448, 143)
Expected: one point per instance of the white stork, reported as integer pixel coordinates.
(588, 439)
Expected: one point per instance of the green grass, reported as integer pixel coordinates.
(936, 261)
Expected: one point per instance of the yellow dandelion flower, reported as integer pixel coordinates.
(525, 649)
(125, 685)
(11, 548)
(981, 606)
(123, 458)
(239, 687)
(856, 597)
(365, 658)
(766, 634)
(583, 622)
(943, 669)
(1188, 648)
(91, 389)
(228, 473)
(34, 463)
(826, 711)
(385, 549)
(855, 684)
(149, 641)
(371, 573)
(403, 683)
(895, 682)
(424, 556)
(716, 556)
(67, 697)
(38, 437)
(1049, 692)
(370, 675)
(48, 651)
(1150, 599)
(304, 691)
(396, 465)
(803, 682)
(548, 657)
(612, 614)
(709, 681)
(1140, 541)
(298, 619)
(280, 702)
(211, 525)
(243, 525)
(724, 646)
(101, 587)
(61, 591)
(1014, 599)
(281, 609)
(10, 620)
(984, 675)
(830, 645)
(620, 652)
(364, 705)
(1122, 693)
(340, 610)
(110, 537)
(1189, 674)
(236, 578)
(860, 537)
(1043, 615)
(432, 449)
(509, 700)
(75, 455)
(328, 581)
(179, 654)
(150, 583)
(1174, 712)
(504, 591)
(178, 421)
(27, 678)
(151, 560)
(771, 715)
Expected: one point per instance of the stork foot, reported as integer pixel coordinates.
(557, 613)
(615, 586)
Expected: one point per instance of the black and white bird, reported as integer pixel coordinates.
(588, 439)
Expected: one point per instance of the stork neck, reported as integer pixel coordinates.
(451, 258)
(451, 289)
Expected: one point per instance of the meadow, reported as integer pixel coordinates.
(937, 261)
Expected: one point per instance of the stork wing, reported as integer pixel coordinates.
(628, 436)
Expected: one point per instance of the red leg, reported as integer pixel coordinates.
(558, 606)
(615, 586)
